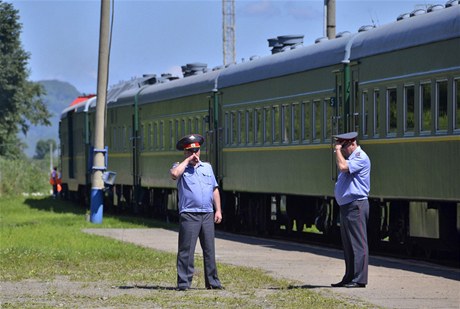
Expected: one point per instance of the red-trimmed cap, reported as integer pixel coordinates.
(190, 141)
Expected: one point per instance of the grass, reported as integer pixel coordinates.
(41, 241)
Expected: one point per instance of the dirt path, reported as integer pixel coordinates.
(392, 283)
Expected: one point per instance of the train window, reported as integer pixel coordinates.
(234, 132)
(457, 104)
(376, 112)
(177, 130)
(276, 124)
(129, 141)
(249, 127)
(141, 137)
(257, 126)
(227, 129)
(123, 138)
(317, 121)
(441, 106)
(155, 136)
(295, 122)
(189, 126)
(203, 124)
(409, 109)
(425, 108)
(242, 128)
(329, 114)
(306, 121)
(161, 135)
(170, 141)
(149, 136)
(365, 113)
(267, 129)
(391, 111)
(285, 124)
(197, 125)
(114, 138)
(183, 129)
(120, 139)
(112, 116)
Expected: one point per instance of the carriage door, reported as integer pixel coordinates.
(70, 145)
(214, 135)
(337, 119)
(346, 104)
(355, 110)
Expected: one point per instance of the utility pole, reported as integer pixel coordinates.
(99, 149)
(329, 19)
(228, 31)
(51, 157)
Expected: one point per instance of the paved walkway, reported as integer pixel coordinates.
(392, 283)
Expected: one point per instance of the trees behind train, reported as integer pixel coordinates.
(21, 103)
(44, 147)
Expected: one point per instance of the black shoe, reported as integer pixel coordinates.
(355, 285)
(182, 288)
(339, 284)
(211, 287)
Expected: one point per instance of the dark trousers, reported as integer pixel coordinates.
(191, 227)
(353, 229)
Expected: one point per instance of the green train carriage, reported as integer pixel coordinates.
(269, 124)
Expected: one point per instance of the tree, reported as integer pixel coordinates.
(43, 148)
(21, 102)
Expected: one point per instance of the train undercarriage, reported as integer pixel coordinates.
(427, 230)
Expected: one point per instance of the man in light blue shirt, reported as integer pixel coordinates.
(198, 198)
(351, 192)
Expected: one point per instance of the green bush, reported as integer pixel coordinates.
(23, 176)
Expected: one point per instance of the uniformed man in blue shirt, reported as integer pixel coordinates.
(351, 192)
(199, 209)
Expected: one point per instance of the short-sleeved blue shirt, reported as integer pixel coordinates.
(356, 183)
(196, 186)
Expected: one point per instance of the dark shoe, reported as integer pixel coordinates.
(339, 284)
(211, 287)
(182, 288)
(355, 285)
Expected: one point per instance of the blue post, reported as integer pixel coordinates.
(97, 205)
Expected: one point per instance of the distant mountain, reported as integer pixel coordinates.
(58, 96)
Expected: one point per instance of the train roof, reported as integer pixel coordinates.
(437, 25)
(191, 85)
(84, 103)
(79, 106)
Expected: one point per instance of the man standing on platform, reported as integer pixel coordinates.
(351, 192)
(198, 198)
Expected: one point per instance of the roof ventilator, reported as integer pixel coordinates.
(321, 39)
(366, 28)
(417, 12)
(451, 3)
(403, 16)
(194, 69)
(435, 7)
(343, 34)
(285, 42)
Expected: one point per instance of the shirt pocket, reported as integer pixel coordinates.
(189, 178)
(207, 179)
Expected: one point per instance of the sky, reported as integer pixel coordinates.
(155, 37)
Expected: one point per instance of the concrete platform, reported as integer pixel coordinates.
(392, 283)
